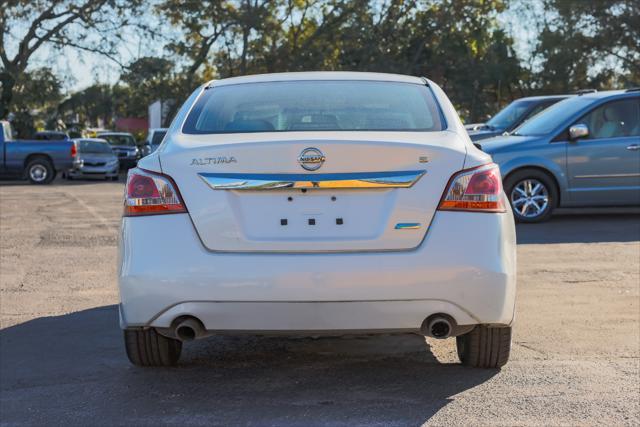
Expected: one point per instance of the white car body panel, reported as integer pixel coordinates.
(465, 267)
(250, 221)
(229, 263)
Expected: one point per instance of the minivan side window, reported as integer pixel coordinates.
(614, 119)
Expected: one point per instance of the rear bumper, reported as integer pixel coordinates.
(465, 268)
(108, 171)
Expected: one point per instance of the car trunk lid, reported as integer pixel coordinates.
(374, 190)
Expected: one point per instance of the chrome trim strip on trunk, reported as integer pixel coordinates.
(240, 181)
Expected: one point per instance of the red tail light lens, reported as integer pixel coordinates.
(74, 149)
(478, 189)
(151, 194)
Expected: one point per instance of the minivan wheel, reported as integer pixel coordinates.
(146, 347)
(532, 195)
(485, 347)
(40, 171)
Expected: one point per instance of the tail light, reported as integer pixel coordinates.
(74, 150)
(150, 193)
(478, 189)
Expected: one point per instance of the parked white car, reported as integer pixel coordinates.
(321, 202)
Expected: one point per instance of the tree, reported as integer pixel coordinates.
(37, 96)
(97, 102)
(149, 79)
(60, 23)
(588, 45)
(203, 24)
(458, 43)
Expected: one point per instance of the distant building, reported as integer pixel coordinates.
(159, 113)
(131, 124)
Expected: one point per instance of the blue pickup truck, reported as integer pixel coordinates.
(37, 161)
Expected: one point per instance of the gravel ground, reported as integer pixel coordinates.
(575, 359)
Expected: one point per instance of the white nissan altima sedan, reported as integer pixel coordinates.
(322, 202)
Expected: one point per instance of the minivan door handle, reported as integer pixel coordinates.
(633, 147)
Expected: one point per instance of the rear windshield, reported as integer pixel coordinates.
(314, 106)
(95, 147)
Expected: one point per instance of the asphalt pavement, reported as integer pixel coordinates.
(575, 358)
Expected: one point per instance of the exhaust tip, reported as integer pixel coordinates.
(189, 329)
(440, 328)
(185, 333)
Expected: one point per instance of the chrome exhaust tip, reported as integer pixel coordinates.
(189, 329)
(438, 326)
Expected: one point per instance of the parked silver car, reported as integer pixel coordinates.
(583, 151)
(94, 157)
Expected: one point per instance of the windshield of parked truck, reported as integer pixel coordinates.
(114, 139)
(101, 147)
(314, 106)
(549, 119)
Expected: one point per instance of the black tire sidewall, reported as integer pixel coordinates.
(513, 179)
(485, 346)
(44, 163)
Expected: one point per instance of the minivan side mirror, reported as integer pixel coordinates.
(578, 131)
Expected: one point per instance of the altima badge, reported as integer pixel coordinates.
(311, 159)
(213, 161)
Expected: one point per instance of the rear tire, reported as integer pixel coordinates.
(40, 171)
(485, 347)
(146, 347)
(532, 195)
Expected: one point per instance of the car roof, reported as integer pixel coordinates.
(594, 95)
(115, 133)
(52, 132)
(607, 94)
(544, 97)
(317, 75)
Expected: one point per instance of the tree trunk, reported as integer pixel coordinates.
(6, 95)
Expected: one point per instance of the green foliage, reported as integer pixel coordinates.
(457, 43)
(37, 94)
(26, 26)
(589, 44)
(463, 45)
